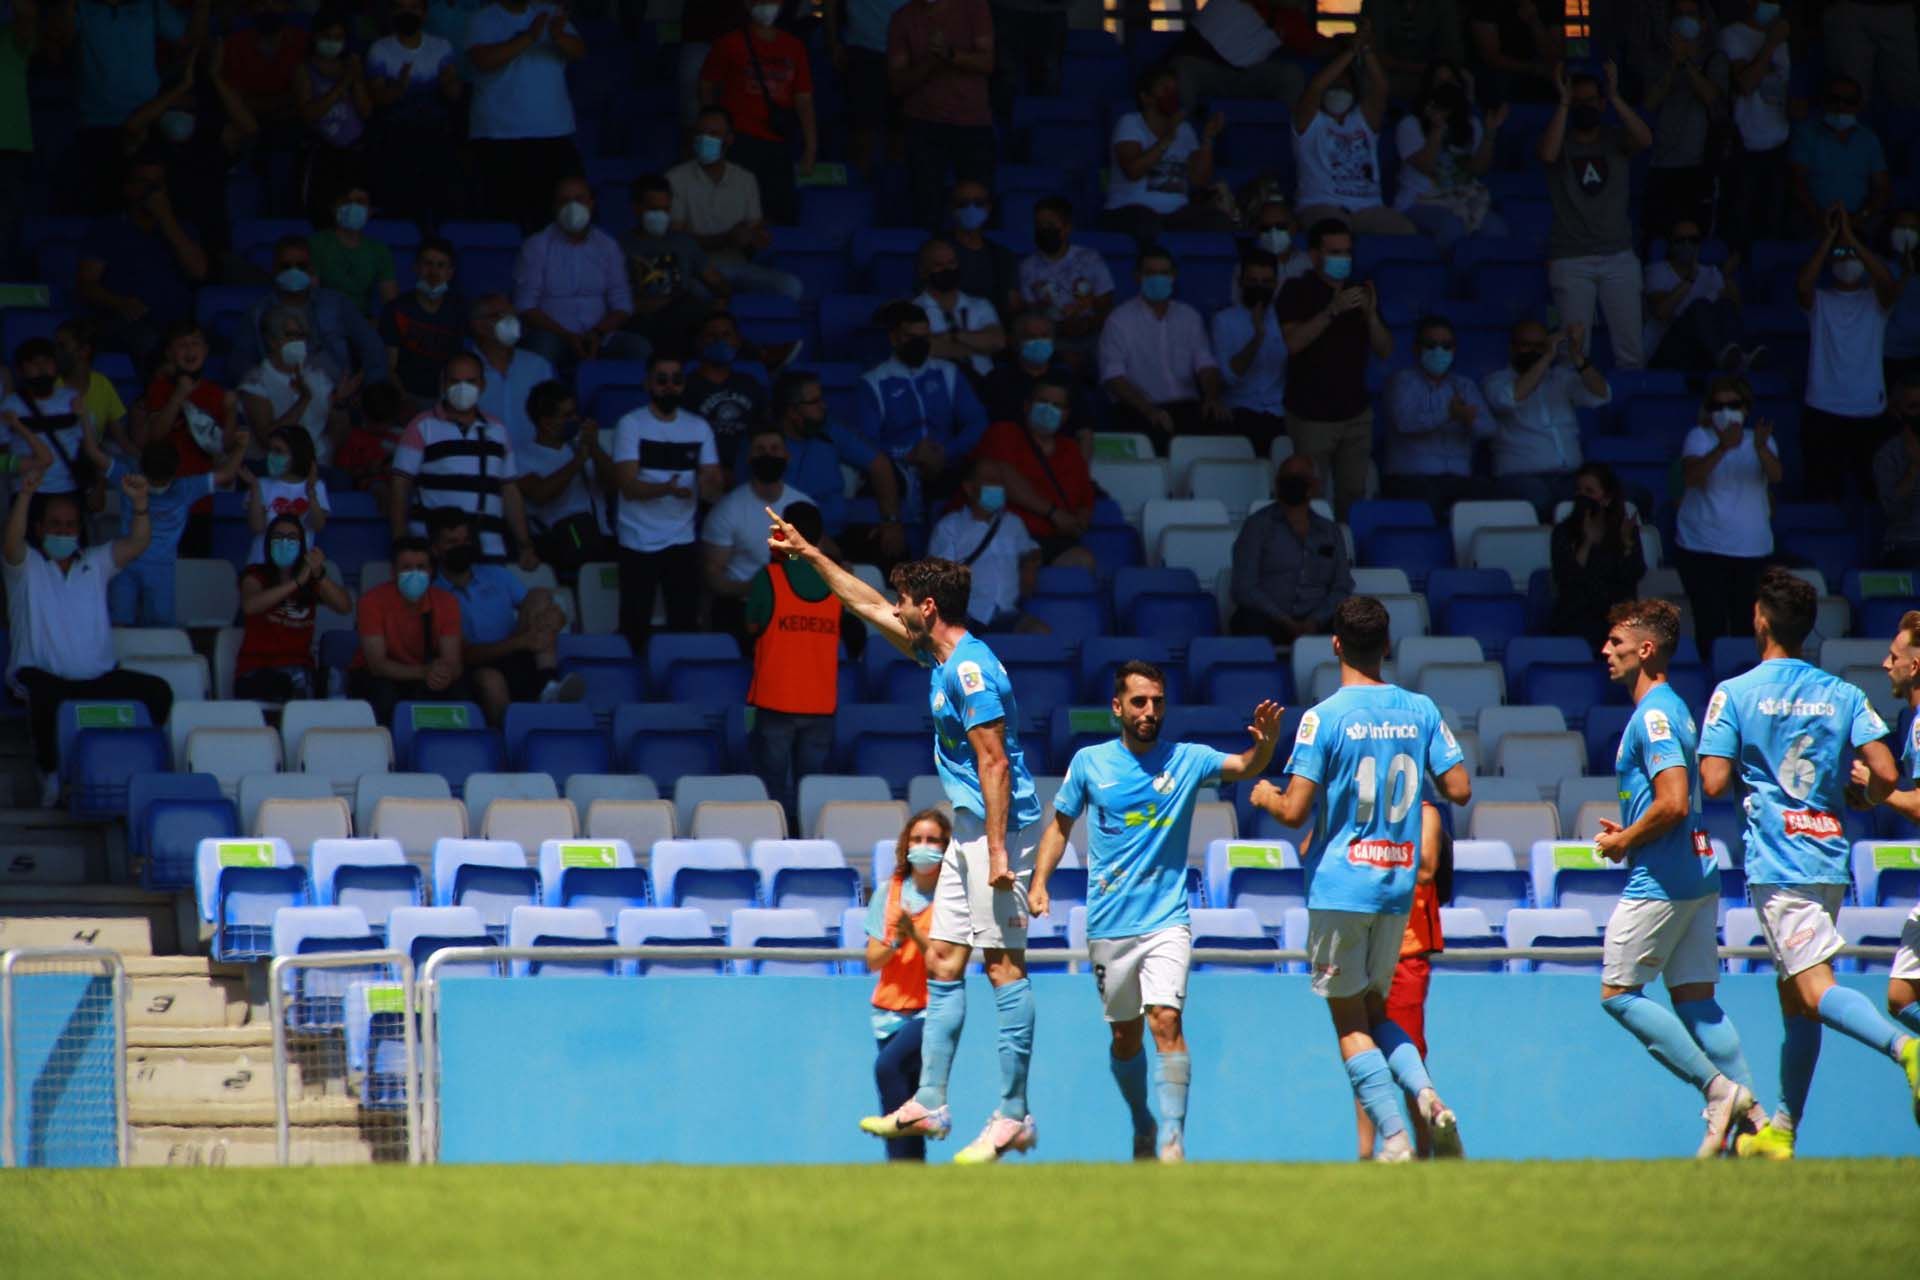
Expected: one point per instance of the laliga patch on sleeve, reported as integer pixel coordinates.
(971, 681)
(1446, 735)
(1659, 728)
(1716, 706)
(1309, 726)
(1875, 724)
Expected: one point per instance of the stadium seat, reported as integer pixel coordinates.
(599, 875)
(1234, 484)
(1838, 655)
(1869, 927)
(206, 593)
(372, 875)
(1183, 452)
(372, 788)
(585, 788)
(861, 824)
(170, 829)
(1542, 758)
(482, 789)
(599, 592)
(1522, 652)
(1603, 729)
(1468, 518)
(1236, 928)
(1550, 927)
(410, 718)
(418, 932)
(1741, 928)
(1496, 722)
(777, 927)
(230, 754)
(1490, 619)
(299, 716)
(529, 823)
(317, 994)
(151, 642)
(418, 824)
(1161, 514)
(525, 718)
(300, 822)
(1467, 688)
(666, 926)
(1519, 823)
(1413, 654)
(1262, 876)
(531, 926)
(492, 876)
(257, 788)
(1886, 873)
(239, 884)
(185, 717)
(693, 790)
(1571, 873)
(641, 823)
(1575, 792)
(1518, 551)
(742, 820)
(342, 756)
(1466, 929)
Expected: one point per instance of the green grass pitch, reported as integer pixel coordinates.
(1557, 1220)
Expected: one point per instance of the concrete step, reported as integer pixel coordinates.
(217, 1074)
(218, 1145)
(129, 935)
(51, 865)
(167, 917)
(188, 1002)
(300, 1111)
(254, 1037)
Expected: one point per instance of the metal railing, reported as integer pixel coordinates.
(338, 1030)
(77, 1094)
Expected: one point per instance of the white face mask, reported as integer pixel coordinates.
(1849, 270)
(764, 14)
(329, 48)
(574, 217)
(654, 221)
(1337, 101)
(294, 353)
(1905, 239)
(463, 395)
(1276, 240)
(1724, 418)
(506, 331)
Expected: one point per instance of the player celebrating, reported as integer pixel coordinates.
(1665, 921)
(1356, 770)
(1141, 792)
(1786, 726)
(981, 897)
(1902, 665)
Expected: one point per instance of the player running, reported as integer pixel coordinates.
(1356, 771)
(1141, 793)
(1787, 727)
(1665, 923)
(981, 897)
(1902, 665)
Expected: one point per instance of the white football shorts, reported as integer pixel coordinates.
(1352, 952)
(968, 910)
(1797, 920)
(1647, 937)
(1147, 969)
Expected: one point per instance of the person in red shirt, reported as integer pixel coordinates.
(410, 642)
(277, 599)
(939, 58)
(760, 74)
(259, 60)
(196, 416)
(1048, 482)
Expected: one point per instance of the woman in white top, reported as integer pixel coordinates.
(291, 388)
(43, 407)
(1162, 172)
(1724, 530)
(1336, 146)
(291, 487)
(1758, 66)
(1444, 148)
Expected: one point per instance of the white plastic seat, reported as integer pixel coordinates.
(1406, 615)
(742, 820)
(1236, 484)
(255, 789)
(1162, 514)
(1518, 551)
(818, 789)
(186, 676)
(483, 789)
(231, 754)
(226, 651)
(418, 824)
(1518, 823)
(695, 789)
(641, 823)
(1499, 513)
(1589, 819)
(1544, 759)
(151, 642)
(585, 788)
(343, 756)
(206, 593)
(301, 822)
(188, 716)
(375, 787)
(1212, 820)
(1184, 453)
(1497, 722)
(1122, 445)
(1309, 654)
(1413, 654)
(1574, 794)
(1380, 580)
(1468, 688)
(1837, 654)
(1131, 483)
(1206, 551)
(925, 791)
(319, 713)
(529, 823)
(858, 825)
(599, 598)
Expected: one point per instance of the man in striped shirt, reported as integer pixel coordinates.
(454, 455)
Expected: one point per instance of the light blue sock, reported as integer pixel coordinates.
(1176, 1070)
(939, 1037)
(1131, 1075)
(1373, 1085)
(1852, 1014)
(1910, 1017)
(1798, 1054)
(1403, 1057)
(1015, 1002)
(1665, 1036)
(1715, 1033)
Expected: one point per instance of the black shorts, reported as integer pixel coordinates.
(869, 99)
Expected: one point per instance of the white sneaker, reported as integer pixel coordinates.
(568, 688)
(1394, 1150)
(1444, 1126)
(1724, 1106)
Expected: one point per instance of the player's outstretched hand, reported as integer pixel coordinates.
(784, 539)
(1266, 722)
(1609, 841)
(1038, 900)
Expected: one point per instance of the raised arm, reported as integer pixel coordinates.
(1308, 105)
(14, 546)
(133, 491)
(1808, 280)
(1253, 762)
(1639, 137)
(869, 605)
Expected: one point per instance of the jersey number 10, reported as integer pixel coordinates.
(1403, 786)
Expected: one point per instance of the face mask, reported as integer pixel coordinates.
(1049, 240)
(412, 584)
(767, 470)
(1436, 360)
(764, 14)
(1337, 102)
(993, 497)
(1584, 118)
(329, 48)
(1585, 507)
(1764, 14)
(293, 280)
(926, 855)
(1256, 295)
(506, 330)
(40, 386)
(654, 222)
(1292, 491)
(970, 217)
(1276, 240)
(1724, 418)
(1905, 239)
(707, 148)
(944, 280)
(458, 560)
(574, 217)
(406, 24)
(1338, 266)
(914, 351)
(284, 552)
(432, 290)
(1168, 102)
(1686, 26)
(1525, 360)
(721, 353)
(666, 401)
(1684, 253)
(1848, 270)
(176, 126)
(58, 546)
(1840, 121)
(1156, 288)
(463, 395)
(293, 353)
(1044, 418)
(1037, 351)
(158, 490)
(351, 216)
(277, 463)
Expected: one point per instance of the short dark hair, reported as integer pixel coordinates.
(945, 582)
(412, 542)
(897, 315)
(1789, 604)
(663, 353)
(187, 328)
(1428, 323)
(715, 109)
(648, 184)
(1721, 382)
(788, 386)
(1150, 251)
(805, 518)
(292, 242)
(1583, 77)
(547, 398)
(1361, 625)
(384, 403)
(1137, 667)
(300, 451)
(34, 349)
(159, 461)
(1658, 618)
(1259, 258)
(446, 519)
(1059, 206)
(438, 244)
(1320, 230)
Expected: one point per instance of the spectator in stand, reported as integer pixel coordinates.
(917, 410)
(1597, 557)
(1846, 381)
(1874, 43)
(1243, 49)
(1838, 160)
(1067, 282)
(293, 387)
(350, 262)
(1693, 310)
(1723, 533)
(1252, 352)
(1903, 326)
(732, 402)
(1161, 172)
(564, 481)
(1336, 143)
(1414, 36)
(509, 633)
(409, 638)
(278, 595)
(1047, 481)
(1036, 358)
(1536, 435)
(115, 72)
(1155, 362)
(455, 455)
(1003, 557)
(1444, 150)
(1332, 325)
(570, 286)
(261, 60)
(142, 594)
(664, 466)
(138, 269)
(330, 89)
(672, 282)
(366, 456)
(857, 46)
(1032, 36)
(718, 203)
(197, 416)
(1290, 564)
(425, 326)
(291, 487)
(336, 329)
(1686, 94)
(512, 372)
(1274, 231)
(939, 57)
(522, 119)
(74, 346)
(1590, 248)
(414, 138)
(1896, 472)
(200, 129)
(1435, 418)
(41, 413)
(793, 619)
(1517, 43)
(761, 75)
(1758, 64)
(57, 616)
(700, 26)
(964, 329)
(988, 268)
(734, 536)
(814, 450)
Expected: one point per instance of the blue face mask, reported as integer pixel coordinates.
(1841, 121)
(1037, 350)
(1156, 288)
(718, 353)
(412, 583)
(1044, 418)
(925, 855)
(1339, 266)
(1686, 26)
(707, 148)
(993, 498)
(58, 546)
(284, 551)
(970, 217)
(277, 464)
(350, 217)
(1436, 360)
(1764, 14)
(293, 280)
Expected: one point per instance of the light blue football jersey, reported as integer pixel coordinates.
(968, 690)
(1662, 736)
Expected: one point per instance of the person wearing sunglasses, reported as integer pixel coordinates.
(1848, 294)
(1723, 533)
(665, 465)
(1693, 308)
(1435, 417)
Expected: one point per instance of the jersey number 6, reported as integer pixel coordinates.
(1403, 786)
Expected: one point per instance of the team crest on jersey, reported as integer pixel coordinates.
(1659, 728)
(939, 699)
(1309, 726)
(1163, 784)
(1716, 706)
(971, 681)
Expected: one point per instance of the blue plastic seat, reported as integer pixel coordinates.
(532, 926)
(1522, 652)
(1494, 893)
(352, 544)
(317, 995)
(847, 328)
(101, 763)
(1174, 619)
(598, 875)
(455, 754)
(1831, 551)
(409, 717)
(1072, 618)
(1101, 655)
(247, 898)
(145, 788)
(561, 753)
(711, 875)
(1113, 547)
(418, 932)
(810, 875)
(172, 829)
(1235, 684)
(1130, 584)
(1417, 551)
(1444, 584)
(1370, 514)
(669, 755)
(721, 681)
(776, 927)
(373, 876)
(1573, 687)
(1490, 619)
(491, 876)
(666, 927)
(523, 718)
(1603, 727)
(669, 647)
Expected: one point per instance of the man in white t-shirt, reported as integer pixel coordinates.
(734, 537)
(664, 464)
(1693, 310)
(994, 543)
(964, 329)
(1160, 169)
(414, 77)
(1758, 65)
(1069, 282)
(1723, 531)
(1336, 145)
(1846, 383)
